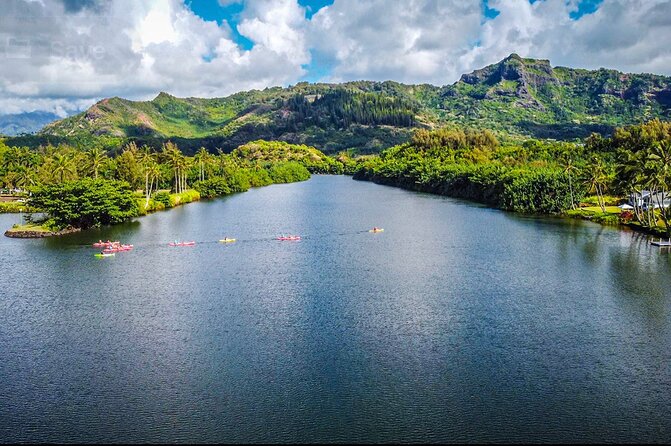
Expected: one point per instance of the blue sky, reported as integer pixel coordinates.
(320, 65)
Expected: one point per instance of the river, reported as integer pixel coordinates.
(458, 323)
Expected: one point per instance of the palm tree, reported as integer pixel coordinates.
(660, 165)
(96, 158)
(146, 159)
(152, 173)
(596, 180)
(175, 158)
(25, 178)
(632, 178)
(64, 167)
(10, 179)
(569, 169)
(154, 176)
(201, 158)
(184, 166)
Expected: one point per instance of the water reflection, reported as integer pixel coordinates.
(458, 323)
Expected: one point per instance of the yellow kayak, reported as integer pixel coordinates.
(227, 240)
(376, 230)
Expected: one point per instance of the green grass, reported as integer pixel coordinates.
(30, 227)
(597, 210)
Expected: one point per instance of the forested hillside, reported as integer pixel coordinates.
(515, 98)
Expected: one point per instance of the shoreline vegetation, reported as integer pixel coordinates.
(541, 177)
(590, 179)
(78, 190)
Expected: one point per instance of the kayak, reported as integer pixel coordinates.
(181, 243)
(376, 230)
(227, 240)
(289, 238)
(104, 254)
(106, 244)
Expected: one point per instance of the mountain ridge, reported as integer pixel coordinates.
(28, 122)
(519, 96)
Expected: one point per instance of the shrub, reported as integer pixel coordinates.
(162, 197)
(85, 203)
(288, 172)
(213, 187)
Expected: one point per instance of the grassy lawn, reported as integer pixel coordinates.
(30, 227)
(597, 209)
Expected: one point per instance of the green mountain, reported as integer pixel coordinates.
(530, 97)
(519, 97)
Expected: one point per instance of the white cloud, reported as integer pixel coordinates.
(410, 41)
(277, 25)
(627, 35)
(86, 49)
(64, 54)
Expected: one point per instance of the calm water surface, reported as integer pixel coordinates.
(458, 323)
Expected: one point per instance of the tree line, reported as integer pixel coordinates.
(57, 178)
(536, 176)
(342, 108)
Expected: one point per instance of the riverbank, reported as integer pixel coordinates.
(162, 200)
(34, 230)
(612, 216)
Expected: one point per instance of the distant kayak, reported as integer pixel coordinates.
(289, 237)
(107, 244)
(227, 240)
(181, 243)
(376, 230)
(104, 254)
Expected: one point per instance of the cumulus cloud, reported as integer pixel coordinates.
(56, 50)
(61, 55)
(410, 41)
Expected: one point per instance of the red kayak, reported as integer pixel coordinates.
(181, 243)
(107, 244)
(289, 238)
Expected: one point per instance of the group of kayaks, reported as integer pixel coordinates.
(109, 248)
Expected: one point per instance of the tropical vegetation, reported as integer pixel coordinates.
(547, 177)
(81, 189)
(517, 98)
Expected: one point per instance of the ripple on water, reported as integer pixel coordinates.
(457, 324)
